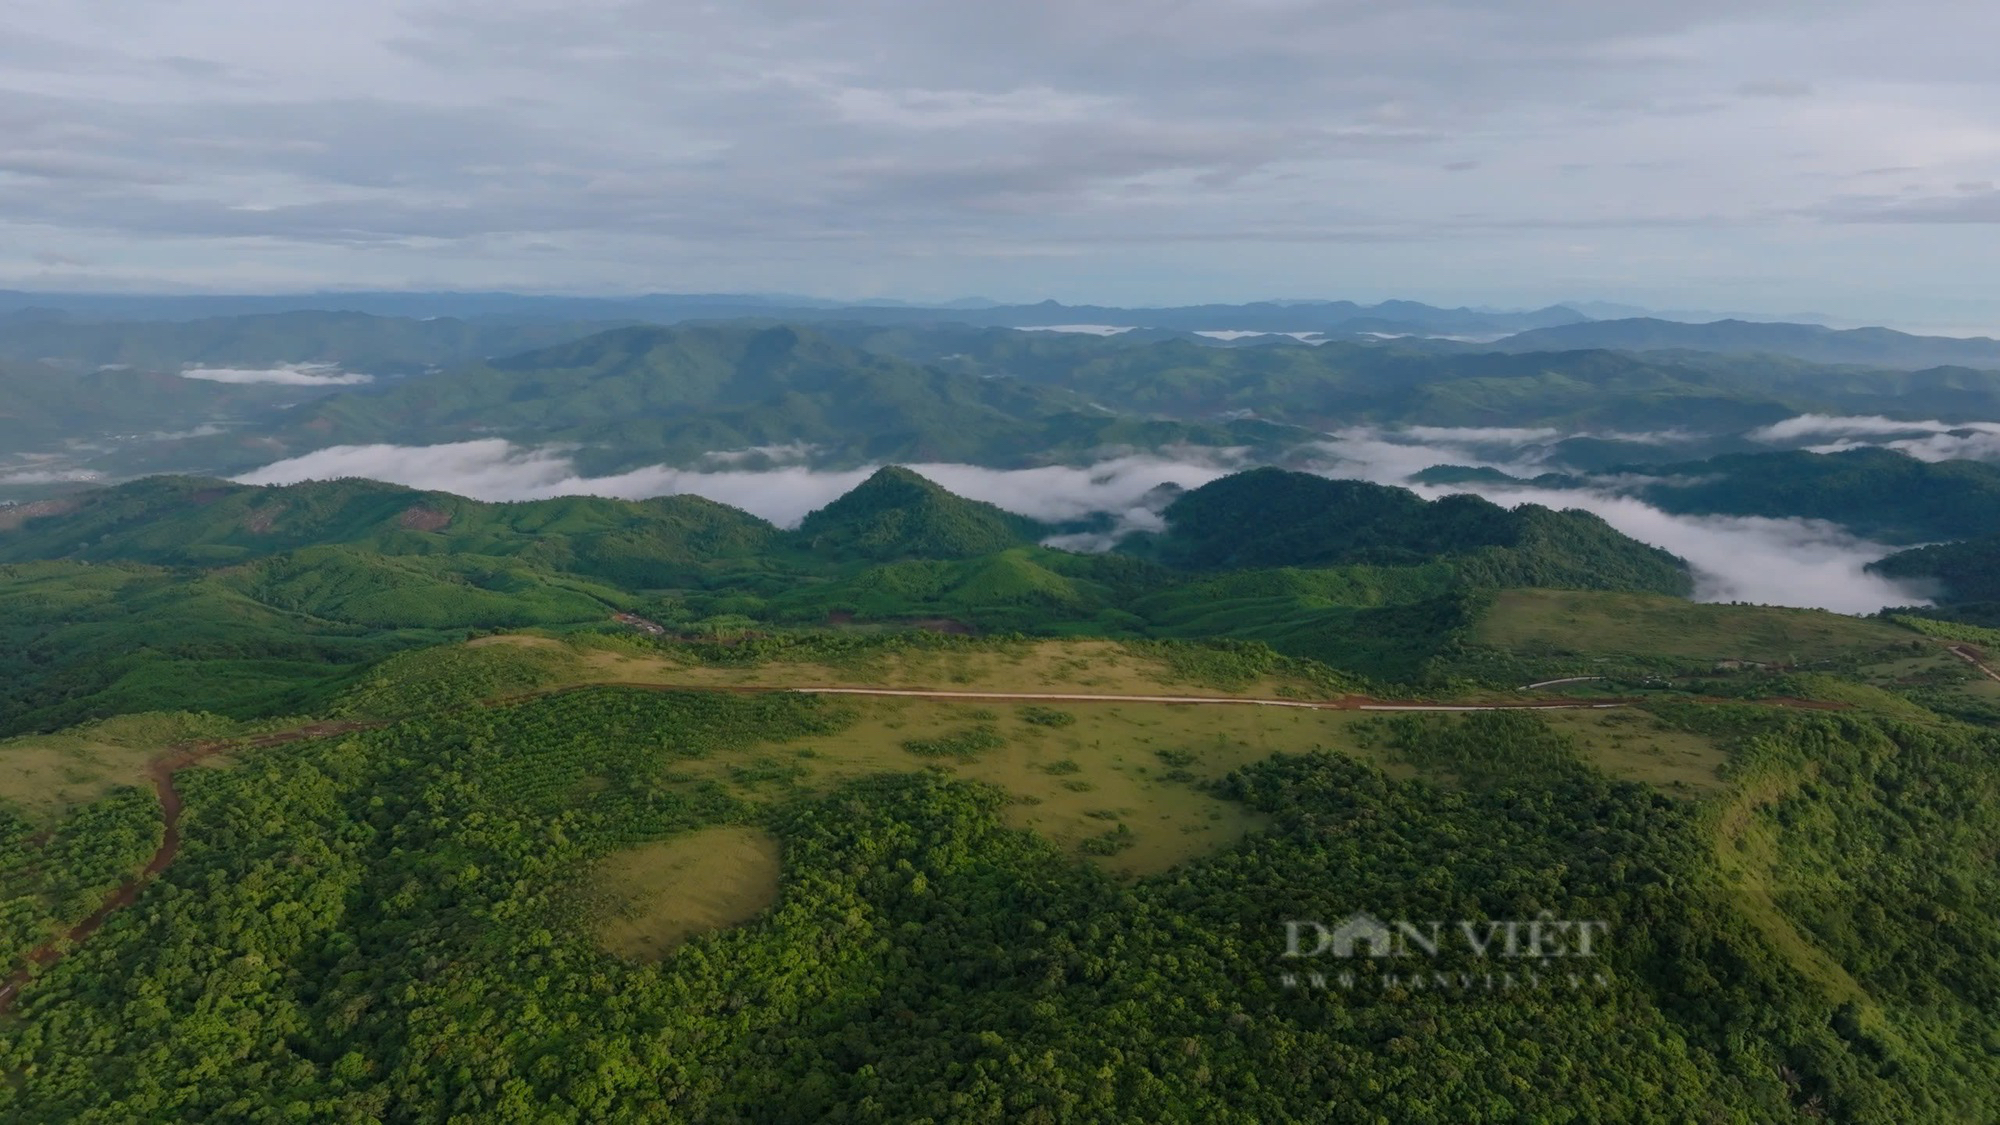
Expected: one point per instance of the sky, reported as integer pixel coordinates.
(1767, 156)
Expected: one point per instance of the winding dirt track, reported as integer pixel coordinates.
(1348, 703)
(1971, 656)
(161, 771)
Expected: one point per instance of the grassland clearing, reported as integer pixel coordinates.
(1596, 624)
(1135, 765)
(1635, 745)
(656, 896)
(1027, 666)
(46, 776)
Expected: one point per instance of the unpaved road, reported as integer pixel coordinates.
(161, 771)
(1349, 703)
(1967, 655)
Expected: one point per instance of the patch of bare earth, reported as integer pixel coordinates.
(260, 521)
(421, 518)
(12, 518)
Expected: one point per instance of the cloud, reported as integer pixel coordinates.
(1829, 425)
(1773, 88)
(285, 374)
(49, 476)
(1394, 456)
(1479, 435)
(1978, 445)
(1790, 562)
(495, 469)
(795, 451)
(1928, 440)
(1178, 151)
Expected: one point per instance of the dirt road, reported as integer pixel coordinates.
(1348, 703)
(1970, 656)
(161, 772)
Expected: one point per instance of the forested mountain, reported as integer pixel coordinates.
(750, 394)
(1272, 518)
(668, 308)
(374, 345)
(44, 409)
(1962, 572)
(647, 395)
(896, 514)
(304, 581)
(1870, 347)
(187, 521)
(1342, 383)
(1878, 493)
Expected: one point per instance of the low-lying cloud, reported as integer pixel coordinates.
(284, 374)
(1927, 440)
(495, 469)
(1792, 562)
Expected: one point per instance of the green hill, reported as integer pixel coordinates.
(1878, 493)
(1273, 518)
(1429, 382)
(189, 521)
(1963, 577)
(897, 514)
(45, 408)
(645, 395)
(377, 345)
(1881, 347)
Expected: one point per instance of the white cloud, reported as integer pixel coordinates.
(1829, 425)
(285, 374)
(1929, 440)
(1478, 435)
(795, 451)
(1394, 456)
(49, 476)
(1791, 562)
(494, 469)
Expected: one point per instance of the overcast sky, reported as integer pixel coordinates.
(1765, 155)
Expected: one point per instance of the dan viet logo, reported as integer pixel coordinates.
(1363, 952)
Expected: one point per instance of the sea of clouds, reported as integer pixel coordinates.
(1795, 562)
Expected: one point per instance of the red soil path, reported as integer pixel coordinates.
(161, 771)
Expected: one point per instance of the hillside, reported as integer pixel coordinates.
(647, 395)
(1415, 382)
(897, 514)
(375, 345)
(181, 521)
(1872, 347)
(1273, 518)
(1962, 572)
(44, 408)
(1878, 493)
